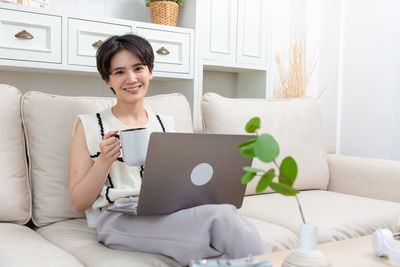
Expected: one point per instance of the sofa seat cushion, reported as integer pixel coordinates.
(75, 237)
(21, 246)
(14, 186)
(338, 216)
(48, 122)
(275, 236)
(294, 123)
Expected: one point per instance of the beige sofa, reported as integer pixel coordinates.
(345, 196)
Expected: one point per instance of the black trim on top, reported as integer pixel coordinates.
(100, 124)
(98, 154)
(108, 188)
(95, 156)
(141, 171)
(159, 120)
(99, 120)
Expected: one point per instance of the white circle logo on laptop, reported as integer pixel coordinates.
(201, 174)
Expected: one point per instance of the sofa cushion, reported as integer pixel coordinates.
(275, 236)
(75, 237)
(338, 216)
(48, 122)
(14, 186)
(21, 246)
(294, 123)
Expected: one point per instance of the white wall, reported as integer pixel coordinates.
(223, 83)
(369, 99)
(359, 66)
(328, 72)
(319, 22)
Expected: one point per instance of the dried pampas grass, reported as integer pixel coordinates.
(293, 82)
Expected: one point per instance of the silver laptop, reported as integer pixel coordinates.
(185, 170)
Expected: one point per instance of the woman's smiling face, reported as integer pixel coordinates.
(129, 77)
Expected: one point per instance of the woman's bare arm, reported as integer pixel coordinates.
(86, 176)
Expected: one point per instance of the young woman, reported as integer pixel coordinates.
(107, 189)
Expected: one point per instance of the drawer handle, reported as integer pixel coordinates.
(24, 35)
(163, 51)
(97, 44)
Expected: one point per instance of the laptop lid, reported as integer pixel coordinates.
(185, 170)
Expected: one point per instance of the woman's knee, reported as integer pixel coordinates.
(220, 210)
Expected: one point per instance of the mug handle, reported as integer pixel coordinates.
(116, 135)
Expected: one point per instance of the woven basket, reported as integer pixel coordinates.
(164, 12)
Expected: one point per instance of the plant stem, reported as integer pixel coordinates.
(301, 210)
(297, 199)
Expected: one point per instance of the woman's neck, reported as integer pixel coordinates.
(132, 115)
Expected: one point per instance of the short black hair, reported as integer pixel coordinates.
(130, 42)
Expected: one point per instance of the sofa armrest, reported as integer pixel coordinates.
(374, 178)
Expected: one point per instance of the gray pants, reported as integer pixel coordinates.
(195, 233)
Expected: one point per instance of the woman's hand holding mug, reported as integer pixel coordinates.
(110, 147)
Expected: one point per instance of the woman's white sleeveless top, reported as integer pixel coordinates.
(123, 180)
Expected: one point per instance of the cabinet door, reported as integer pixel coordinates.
(253, 30)
(85, 36)
(29, 36)
(218, 29)
(171, 49)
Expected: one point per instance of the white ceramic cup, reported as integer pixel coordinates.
(134, 144)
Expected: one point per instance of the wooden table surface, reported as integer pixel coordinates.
(355, 252)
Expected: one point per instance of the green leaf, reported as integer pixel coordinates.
(248, 151)
(253, 125)
(247, 177)
(250, 169)
(288, 170)
(283, 189)
(266, 148)
(265, 180)
(248, 142)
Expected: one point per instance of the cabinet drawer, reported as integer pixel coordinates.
(83, 36)
(171, 49)
(39, 38)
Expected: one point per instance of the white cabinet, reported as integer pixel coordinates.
(84, 37)
(234, 31)
(232, 48)
(35, 39)
(171, 49)
(28, 36)
(252, 32)
(218, 27)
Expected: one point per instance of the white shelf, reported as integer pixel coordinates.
(237, 67)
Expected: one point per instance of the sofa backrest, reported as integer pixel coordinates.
(294, 123)
(48, 121)
(14, 186)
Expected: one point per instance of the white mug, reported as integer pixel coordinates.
(134, 144)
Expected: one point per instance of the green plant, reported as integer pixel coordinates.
(179, 2)
(265, 148)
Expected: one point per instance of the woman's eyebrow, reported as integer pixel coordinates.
(117, 68)
(138, 64)
(122, 68)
